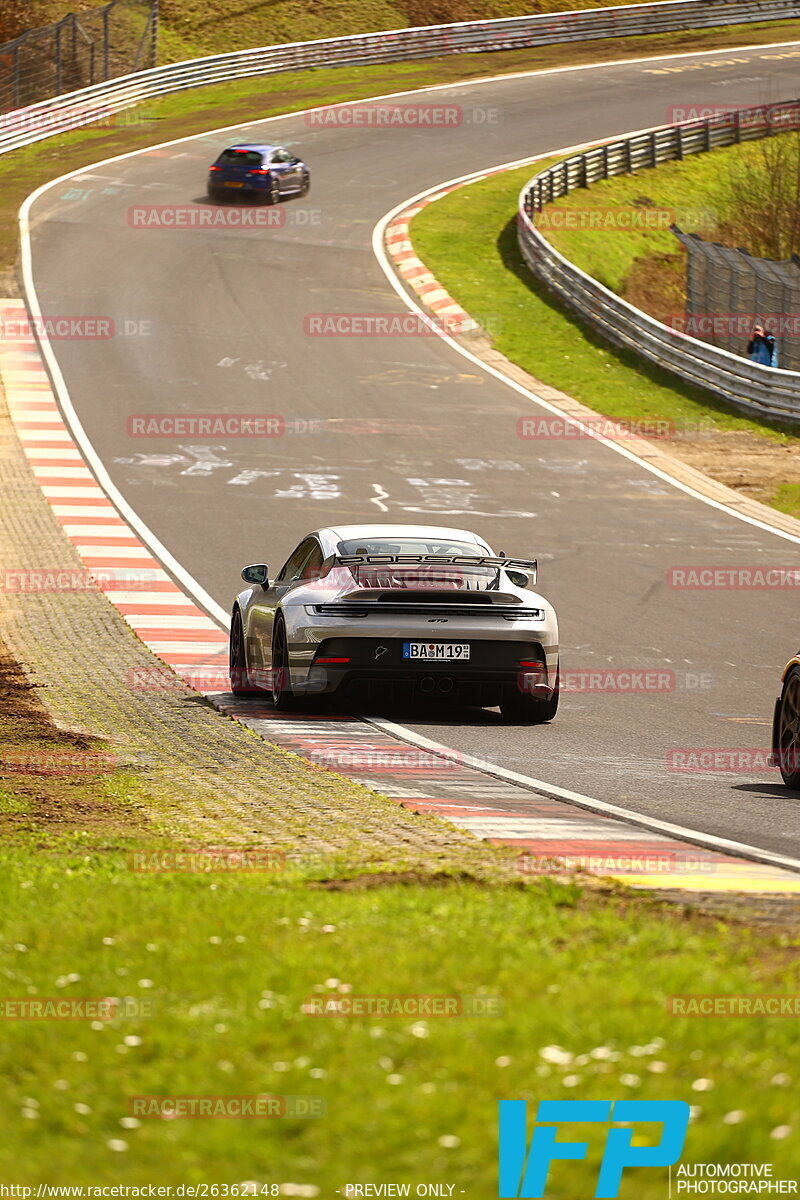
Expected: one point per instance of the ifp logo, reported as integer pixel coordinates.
(523, 1172)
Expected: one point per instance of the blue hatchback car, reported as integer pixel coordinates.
(250, 168)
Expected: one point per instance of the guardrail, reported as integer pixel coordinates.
(765, 391)
(24, 126)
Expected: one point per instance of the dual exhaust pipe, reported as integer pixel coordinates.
(444, 685)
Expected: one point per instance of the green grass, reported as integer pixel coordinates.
(227, 964)
(695, 193)
(471, 247)
(190, 28)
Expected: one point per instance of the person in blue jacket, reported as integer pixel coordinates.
(762, 348)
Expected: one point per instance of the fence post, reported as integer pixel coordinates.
(653, 156)
(17, 97)
(154, 16)
(58, 57)
(106, 51)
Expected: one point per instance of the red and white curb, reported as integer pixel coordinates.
(157, 610)
(551, 835)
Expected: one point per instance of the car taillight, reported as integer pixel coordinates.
(215, 168)
(533, 666)
(258, 171)
(330, 660)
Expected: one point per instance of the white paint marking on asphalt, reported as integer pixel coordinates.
(379, 497)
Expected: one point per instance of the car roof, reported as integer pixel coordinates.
(348, 532)
(253, 146)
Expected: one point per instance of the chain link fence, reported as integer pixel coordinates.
(100, 44)
(729, 291)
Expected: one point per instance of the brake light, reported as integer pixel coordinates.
(215, 168)
(330, 660)
(258, 171)
(533, 666)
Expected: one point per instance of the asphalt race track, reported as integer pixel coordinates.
(409, 430)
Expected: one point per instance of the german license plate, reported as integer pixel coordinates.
(233, 183)
(438, 651)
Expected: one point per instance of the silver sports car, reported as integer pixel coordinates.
(412, 610)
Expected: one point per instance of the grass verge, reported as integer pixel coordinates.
(211, 971)
(225, 965)
(192, 28)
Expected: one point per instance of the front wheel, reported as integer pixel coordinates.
(274, 192)
(240, 680)
(787, 728)
(283, 698)
(305, 185)
(530, 710)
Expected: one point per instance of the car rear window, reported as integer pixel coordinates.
(403, 545)
(240, 158)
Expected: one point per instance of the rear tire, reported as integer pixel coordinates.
(530, 710)
(787, 730)
(240, 680)
(283, 698)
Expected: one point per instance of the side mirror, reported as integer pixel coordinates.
(258, 573)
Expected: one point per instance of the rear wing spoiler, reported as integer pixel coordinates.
(527, 565)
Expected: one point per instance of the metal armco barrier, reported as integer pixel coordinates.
(24, 126)
(756, 389)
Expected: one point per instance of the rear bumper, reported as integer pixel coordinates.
(262, 184)
(375, 667)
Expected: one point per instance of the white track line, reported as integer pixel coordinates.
(708, 840)
(193, 587)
